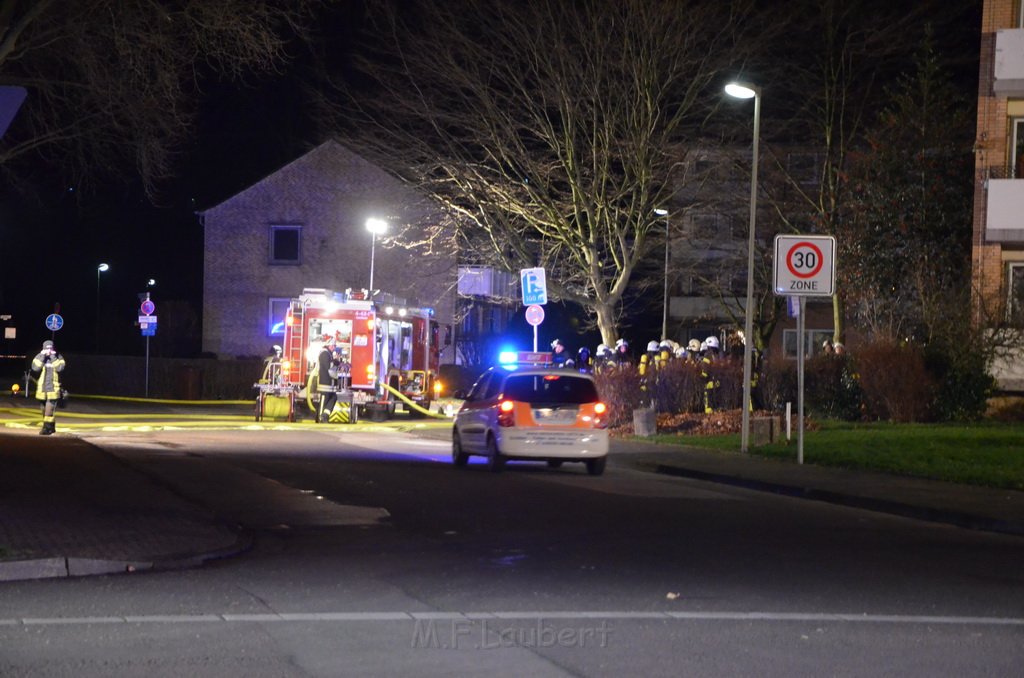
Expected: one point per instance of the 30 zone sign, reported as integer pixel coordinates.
(805, 265)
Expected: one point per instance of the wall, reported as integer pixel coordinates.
(330, 192)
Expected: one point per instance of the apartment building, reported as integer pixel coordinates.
(998, 245)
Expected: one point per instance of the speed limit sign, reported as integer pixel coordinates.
(805, 265)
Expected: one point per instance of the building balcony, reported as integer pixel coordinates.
(1009, 66)
(1005, 222)
(483, 281)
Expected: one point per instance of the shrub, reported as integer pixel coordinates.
(777, 384)
(964, 385)
(894, 381)
(830, 388)
(728, 376)
(620, 389)
(678, 387)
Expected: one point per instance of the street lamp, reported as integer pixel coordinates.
(747, 91)
(664, 296)
(374, 226)
(102, 268)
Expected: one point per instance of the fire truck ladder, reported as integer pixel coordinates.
(295, 348)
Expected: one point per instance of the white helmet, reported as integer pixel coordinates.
(652, 346)
(556, 342)
(711, 342)
(694, 345)
(602, 349)
(621, 342)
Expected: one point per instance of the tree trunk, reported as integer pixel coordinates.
(606, 322)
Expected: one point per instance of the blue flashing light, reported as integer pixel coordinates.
(508, 358)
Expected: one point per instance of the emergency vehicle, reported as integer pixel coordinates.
(390, 352)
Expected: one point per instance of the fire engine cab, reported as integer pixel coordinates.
(390, 352)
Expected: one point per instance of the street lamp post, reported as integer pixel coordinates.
(102, 268)
(374, 226)
(747, 91)
(664, 294)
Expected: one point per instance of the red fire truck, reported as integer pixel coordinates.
(392, 352)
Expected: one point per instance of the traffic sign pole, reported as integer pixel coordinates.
(805, 266)
(800, 325)
(147, 323)
(534, 316)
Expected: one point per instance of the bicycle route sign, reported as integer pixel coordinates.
(805, 265)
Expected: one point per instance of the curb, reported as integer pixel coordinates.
(70, 566)
(925, 513)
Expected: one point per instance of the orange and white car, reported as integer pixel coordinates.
(536, 414)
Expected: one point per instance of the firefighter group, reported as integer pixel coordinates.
(656, 355)
(702, 354)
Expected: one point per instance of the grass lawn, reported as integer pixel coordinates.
(989, 454)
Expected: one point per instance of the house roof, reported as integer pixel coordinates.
(331, 147)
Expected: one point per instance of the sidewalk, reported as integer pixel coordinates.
(966, 506)
(68, 508)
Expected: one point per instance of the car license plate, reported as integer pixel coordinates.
(549, 416)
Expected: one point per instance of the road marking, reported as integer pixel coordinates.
(622, 615)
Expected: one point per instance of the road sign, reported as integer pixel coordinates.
(535, 286)
(147, 319)
(535, 315)
(147, 307)
(805, 265)
(54, 322)
(149, 331)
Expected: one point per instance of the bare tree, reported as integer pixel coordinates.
(844, 54)
(549, 130)
(114, 82)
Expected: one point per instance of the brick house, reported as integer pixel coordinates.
(305, 226)
(998, 245)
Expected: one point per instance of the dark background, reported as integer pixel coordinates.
(52, 241)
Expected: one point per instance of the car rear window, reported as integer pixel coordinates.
(550, 388)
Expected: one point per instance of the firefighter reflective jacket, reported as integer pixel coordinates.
(49, 365)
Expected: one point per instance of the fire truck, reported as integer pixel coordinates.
(390, 352)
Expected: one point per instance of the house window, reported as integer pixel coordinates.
(1017, 150)
(277, 307)
(1015, 300)
(285, 244)
(813, 340)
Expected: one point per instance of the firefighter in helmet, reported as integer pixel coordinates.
(49, 364)
(621, 354)
(711, 384)
(558, 353)
(272, 367)
(326, 379)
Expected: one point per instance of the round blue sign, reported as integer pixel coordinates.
(147, 307)
(54, 322)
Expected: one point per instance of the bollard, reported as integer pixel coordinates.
(645, 422)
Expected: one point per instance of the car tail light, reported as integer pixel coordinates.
(506, 413)
(600, 420)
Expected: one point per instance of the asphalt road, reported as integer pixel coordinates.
(374, 556)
